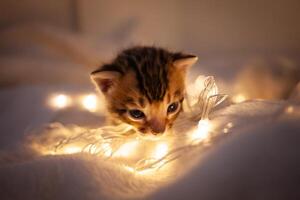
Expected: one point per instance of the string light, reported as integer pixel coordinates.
(289, 109)
(230, 125)
(160, 151)
(107, 150)
(202, 131)
(72, 149)
(127, 149)
(239, 98)
(225, 130)
(89, 102)
(114, 141)
(60, 101)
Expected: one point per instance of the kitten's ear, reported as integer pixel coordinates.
(105, 78)
(184, 61)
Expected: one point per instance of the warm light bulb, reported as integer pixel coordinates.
(71, 150)
(160, 151)
(202, 131)
(289, 109)
(89, 102)
(126, 149)
(239, 98)
(60, 101)
(230, 125)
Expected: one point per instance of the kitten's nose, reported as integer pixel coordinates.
(157, 126)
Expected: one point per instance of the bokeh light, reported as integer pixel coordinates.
(72, 149)
(289, 109)
(127, 149)
(90, 102)
(239, 98)
(160, 151)
(202, 131)
(60, 101)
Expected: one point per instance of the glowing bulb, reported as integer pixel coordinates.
(202, 131)
(89, 102)
(289, 109)
(60, 101)
(230, 125)
(160, 151)
(225, 130)
(127, 149)
(239, 98)
(71, 150)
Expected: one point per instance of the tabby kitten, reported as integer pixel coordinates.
(144, 87)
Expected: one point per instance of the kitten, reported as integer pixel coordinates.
(144, 87)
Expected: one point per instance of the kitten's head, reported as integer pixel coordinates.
(145, 87)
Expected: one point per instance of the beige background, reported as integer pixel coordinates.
(204, 26)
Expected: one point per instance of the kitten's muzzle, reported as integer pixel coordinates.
(157, 126)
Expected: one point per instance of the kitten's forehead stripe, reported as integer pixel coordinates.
(168, 98)
(151, 66)
(129, 100)
(177, 93)
(119, 111)
(142, 102)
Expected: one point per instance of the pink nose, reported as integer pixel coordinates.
(157, 126)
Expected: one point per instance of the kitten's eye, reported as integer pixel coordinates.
(136, 114)
(173, 107)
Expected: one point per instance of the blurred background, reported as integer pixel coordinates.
(50, 47)
(77, 35)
